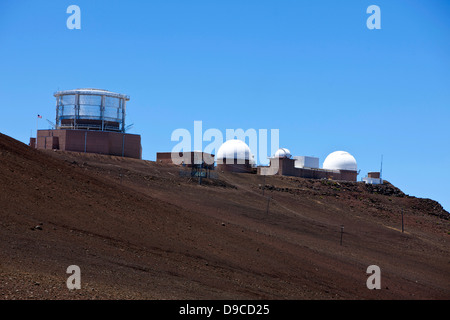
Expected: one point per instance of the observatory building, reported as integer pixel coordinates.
(340, 160)
(339, 165)
(234, 156)
(93, 121)
(373, 178)
(188, 158)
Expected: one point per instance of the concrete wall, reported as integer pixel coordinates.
(267, 171)
(239, 168)
(187, 158)
(102, 142)
(286, 167)
(32, 143)
(348, 175)
(235, 165)
(165, 157)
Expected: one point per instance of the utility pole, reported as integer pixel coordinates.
(37, 129)
(403, 226)
(264, 185)
(123, 144)
(85, 141)
(200, 174)
(381, 169)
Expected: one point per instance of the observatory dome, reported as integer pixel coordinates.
(234, 149)
(340, 160)
(91, 109)
(283, 153)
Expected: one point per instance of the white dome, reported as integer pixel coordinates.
(283, 153)
(234, 149)
(340, 160)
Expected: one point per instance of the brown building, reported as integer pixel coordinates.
(375, 175)
(286, 167)
(233, 165)
(373, 178)
(188, 159)
(102, 142)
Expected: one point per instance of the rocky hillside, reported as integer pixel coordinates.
(139, 230)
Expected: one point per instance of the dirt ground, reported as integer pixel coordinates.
(138, 230)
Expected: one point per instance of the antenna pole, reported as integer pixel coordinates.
(37, 129)
(264, 185)
(381, 170)
(200, 173)
(268, 202)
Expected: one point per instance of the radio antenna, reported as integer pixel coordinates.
(381, 169)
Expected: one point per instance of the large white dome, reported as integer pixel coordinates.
(234, 149)
(340, 160)
(283, 153)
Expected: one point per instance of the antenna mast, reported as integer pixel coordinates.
(381, 170)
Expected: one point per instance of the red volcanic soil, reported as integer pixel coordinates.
(138, 230)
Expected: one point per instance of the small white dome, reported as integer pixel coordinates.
(340, 160)
(283, 153)
(234, 149)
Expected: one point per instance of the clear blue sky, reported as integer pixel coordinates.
(311, 69)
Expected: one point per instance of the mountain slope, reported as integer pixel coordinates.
(138, 230)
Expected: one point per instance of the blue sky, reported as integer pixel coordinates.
(311, 69)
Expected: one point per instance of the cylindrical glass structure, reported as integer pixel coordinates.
(91, 109)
